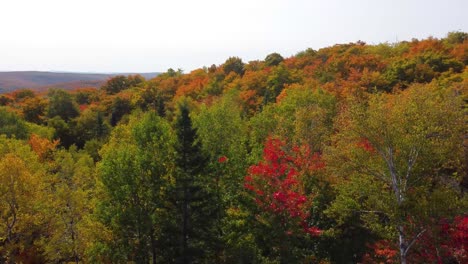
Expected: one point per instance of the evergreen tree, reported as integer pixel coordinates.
(193, 194)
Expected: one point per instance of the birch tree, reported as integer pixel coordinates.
(392, 155)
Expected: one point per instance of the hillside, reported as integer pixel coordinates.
(353, 153)
(37, 80)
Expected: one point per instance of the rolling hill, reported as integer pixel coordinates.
(37, 80)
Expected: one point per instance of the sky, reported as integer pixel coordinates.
(153, 35)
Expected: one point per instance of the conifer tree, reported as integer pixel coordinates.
(193, 193)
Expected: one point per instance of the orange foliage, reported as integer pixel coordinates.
(192, 88)
(42, 146)
(421, 46)
(460, 52)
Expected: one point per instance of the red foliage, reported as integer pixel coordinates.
(277, 186)
(365, 144)
(459, 239)
(448, 241)
(222, 159)
(381, 252)
(83, 107)
(445, 242)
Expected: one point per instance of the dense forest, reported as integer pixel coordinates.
(353, 153)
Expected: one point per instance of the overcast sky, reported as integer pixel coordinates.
(152, 35)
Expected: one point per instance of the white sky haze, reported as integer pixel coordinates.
(148, 36)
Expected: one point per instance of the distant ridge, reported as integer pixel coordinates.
(42, 80)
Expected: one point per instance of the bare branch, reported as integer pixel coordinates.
(414, 240)
(369, 212)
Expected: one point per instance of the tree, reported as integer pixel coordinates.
(194, 197)
(22, 199)
(135, 175)
(277, 186)
(456, 37)
(302, 115)
(119, 83)
(61, 104)
(223, 136)
(253, 85)
(90, 125)
(135, 80)
(5, 100)
(121, 106)
(223, 133)
(71, 190)
(446, 242)
(233, 64)
(23, 94)
(34, 110)
(396, 157)
(85, 96)
(12, 125)
(61, 130)
(278, 78)
(151, 97)
(43, 147)
(273, 59)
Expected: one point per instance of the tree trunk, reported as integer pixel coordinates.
(153, 247)
(397, 189)
(185, 226)
(402, 244)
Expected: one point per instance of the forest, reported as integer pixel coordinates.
(353, 153)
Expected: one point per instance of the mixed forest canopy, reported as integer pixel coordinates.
(353, 153)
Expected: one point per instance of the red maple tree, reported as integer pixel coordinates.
(277, 187)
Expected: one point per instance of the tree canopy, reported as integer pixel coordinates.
(352, 153)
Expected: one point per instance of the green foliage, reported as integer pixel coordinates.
(120, 108)
(421, 69)
(42, 131)
(34, 110)
(273, 59)
(61, 104)
(135, 175)
(90, 125)
(277, 80)
(233, 64)
(223, 133)
(92, 147)
(61, 130)
(86, 96)
(307, 53)
(12, 125)
(195, 194)
(372, 154)
(303, 116)
(120, 82)
(389, 156)
(456, 37)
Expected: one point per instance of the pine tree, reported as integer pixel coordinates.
(193, 193)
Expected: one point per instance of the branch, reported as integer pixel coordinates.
(369, 211)
(414, 240)
(369, 171)
(411, 161)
